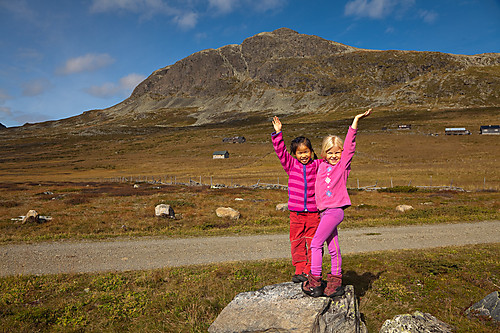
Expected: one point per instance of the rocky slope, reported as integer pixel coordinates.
(284, 72)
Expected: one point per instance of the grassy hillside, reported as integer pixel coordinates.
(90, 153)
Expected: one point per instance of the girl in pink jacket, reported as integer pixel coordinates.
(331, 199)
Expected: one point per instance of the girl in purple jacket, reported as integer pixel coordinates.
(331, 199)
(304, 215)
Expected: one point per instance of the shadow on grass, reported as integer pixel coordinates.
(362, 283)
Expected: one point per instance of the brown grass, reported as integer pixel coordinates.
(97, 210)
(403, 156)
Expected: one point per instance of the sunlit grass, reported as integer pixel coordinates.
(443, 282)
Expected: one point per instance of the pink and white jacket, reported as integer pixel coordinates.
(301, 178)
(331, 181)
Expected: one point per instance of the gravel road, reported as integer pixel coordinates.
(149, 253)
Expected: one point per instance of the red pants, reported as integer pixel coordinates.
(302, 229)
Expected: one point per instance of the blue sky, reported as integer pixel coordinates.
(60, 58)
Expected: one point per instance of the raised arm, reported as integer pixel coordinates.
(277, 124)
(358, 117)
(284, 156)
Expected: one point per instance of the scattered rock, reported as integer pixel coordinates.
(404, 208)
(136, 186)
(417, 322)
(163, 210)
(488, 307)
(283, 207)
(285, 308)
(31, 217)
(227, 212)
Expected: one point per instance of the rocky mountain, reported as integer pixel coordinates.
(284, 72)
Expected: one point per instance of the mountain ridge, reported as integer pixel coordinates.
(285, 72)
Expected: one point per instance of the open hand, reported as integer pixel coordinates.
(363, 115)
(277, 124)
(358, 117)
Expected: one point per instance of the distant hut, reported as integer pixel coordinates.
(490, 130)
(456, 131)
(220, 154)
(236, 139)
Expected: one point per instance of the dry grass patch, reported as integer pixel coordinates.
(100, 210)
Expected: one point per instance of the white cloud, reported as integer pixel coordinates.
(36, 87)
(136, 6)
(429, 16)
(87, 63)
(109, 89)
(266, 5)
(223, 6)
(131, 81)
(376, 9)
(186, 20)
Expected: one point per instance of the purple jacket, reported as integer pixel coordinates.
(331, 182)
(301, 178)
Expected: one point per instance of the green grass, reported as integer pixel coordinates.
(443, 282)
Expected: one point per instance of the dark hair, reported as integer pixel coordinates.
(301, 140)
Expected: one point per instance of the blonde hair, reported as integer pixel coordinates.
(329, 142)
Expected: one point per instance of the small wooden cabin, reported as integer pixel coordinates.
(220, 154)
(456, 131)
(490, 130)
(236, 139)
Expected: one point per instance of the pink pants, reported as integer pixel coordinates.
(327, 231)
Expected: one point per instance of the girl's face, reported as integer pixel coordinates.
(333, 155)
(303, 154)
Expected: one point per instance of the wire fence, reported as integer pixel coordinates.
(280, 183)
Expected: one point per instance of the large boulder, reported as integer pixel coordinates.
(285, 308)
(31, 217)
(164, 210)
(488, 307)
(227, 212)
(417, 322)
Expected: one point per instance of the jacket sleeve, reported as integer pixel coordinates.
(349, 148)
(284, 156)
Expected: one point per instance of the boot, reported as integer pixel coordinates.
(299, 278)
(313, 286)
(334, 285)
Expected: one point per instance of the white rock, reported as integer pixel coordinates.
(164, 211)
(403, 208)
(227, 212)
(282, 207)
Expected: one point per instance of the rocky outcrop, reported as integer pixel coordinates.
(417, 322)
(285, 308)
(488, 307)
(284, 72)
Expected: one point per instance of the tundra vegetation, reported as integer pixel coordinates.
(64, 174)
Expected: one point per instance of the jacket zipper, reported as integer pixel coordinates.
(305, 188)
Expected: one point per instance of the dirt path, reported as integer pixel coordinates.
(150, 253)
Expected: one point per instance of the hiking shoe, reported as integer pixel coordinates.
(313, 286)
(299, 278)
(334, 286)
